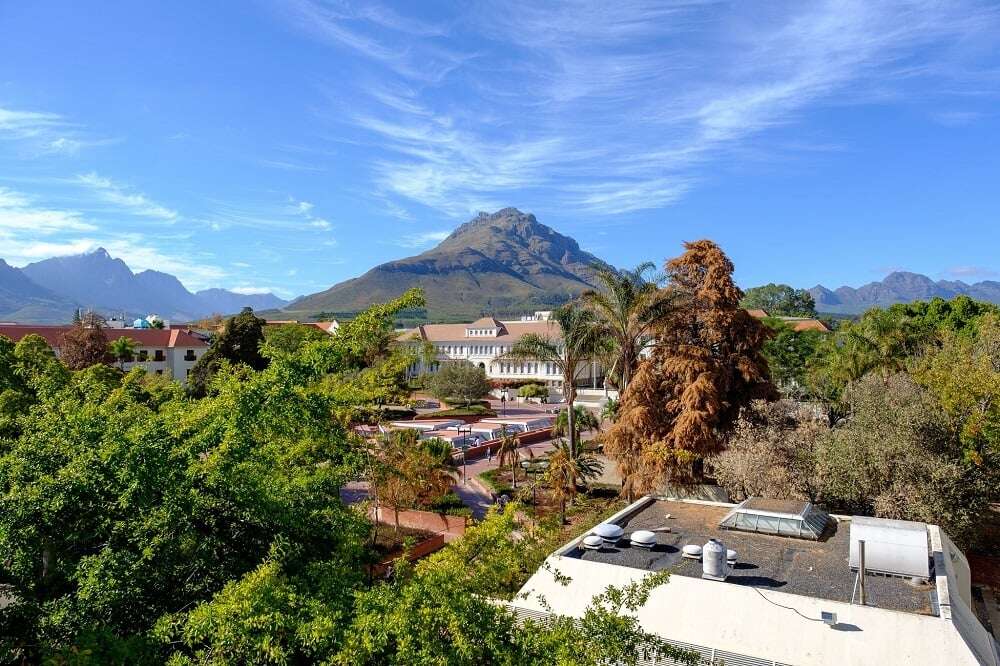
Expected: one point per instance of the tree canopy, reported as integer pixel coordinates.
(238, 342)
(459, 382)
(779, 300)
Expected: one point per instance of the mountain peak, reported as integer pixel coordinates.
(505, 262)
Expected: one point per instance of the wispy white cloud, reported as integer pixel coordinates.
(421, 239)
(16, 124)
(612, 108)
(375, 32)
(42, 133)
(124, 198)
(23, 213)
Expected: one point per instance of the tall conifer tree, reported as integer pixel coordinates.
(705, 366)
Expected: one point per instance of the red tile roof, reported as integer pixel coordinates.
(509, 333)
(146, 337)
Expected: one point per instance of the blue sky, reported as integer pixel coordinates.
(289, 144)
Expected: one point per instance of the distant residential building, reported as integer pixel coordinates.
(776, 583)
(796, 323)
(485, 341)
(172, 351)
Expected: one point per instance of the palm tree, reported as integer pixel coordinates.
(627, 306)
(507, 453)
(583, 419)
(610, 410)
(582, 340)
(566, 470)
(123, 350)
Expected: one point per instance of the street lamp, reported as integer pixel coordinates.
(503, 401)
(464, 432)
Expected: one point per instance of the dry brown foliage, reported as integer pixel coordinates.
(706, 365)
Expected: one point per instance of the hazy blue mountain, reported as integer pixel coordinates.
(225, 301)
(899, 287)
(96, 280)
(21, 299)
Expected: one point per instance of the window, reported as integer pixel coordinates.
(189, 356)
(143, 355)
(188, 372)
(158, 355)
(159, 372)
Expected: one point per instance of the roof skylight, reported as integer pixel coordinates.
(791, 518)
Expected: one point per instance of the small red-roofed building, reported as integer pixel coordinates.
(172, 351)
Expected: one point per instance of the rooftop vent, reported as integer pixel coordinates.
(792, 518)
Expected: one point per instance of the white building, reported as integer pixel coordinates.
(172, 351)
(783, 599)
(483, 343)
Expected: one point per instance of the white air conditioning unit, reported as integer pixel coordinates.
(893, 547)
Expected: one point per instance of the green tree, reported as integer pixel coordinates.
(779, 300)
(581, 341)
(790, 354)
(964, 375)
(459, 382)
(567, 469)
(583, 420)
(239, 342)
(289, 338)
(406, 475)
(444, 611)
(609, 412)
(115, 516)
(508, 454)
(627, 306)
(898, 455)
(123, 350)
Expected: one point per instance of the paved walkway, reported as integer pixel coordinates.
(471, 490)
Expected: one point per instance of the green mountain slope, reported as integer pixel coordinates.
(501, 263)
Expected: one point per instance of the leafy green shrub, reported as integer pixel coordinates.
(533, 391)
(450, 504)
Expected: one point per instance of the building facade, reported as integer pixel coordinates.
(485, 341)
(169, 351)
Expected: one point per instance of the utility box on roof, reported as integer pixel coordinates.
(894, 547)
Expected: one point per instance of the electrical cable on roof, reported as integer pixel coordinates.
(794, 610)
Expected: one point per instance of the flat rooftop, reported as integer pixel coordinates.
(816, 569)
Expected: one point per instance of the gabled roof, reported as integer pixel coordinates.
(485, 322)
(510, 332)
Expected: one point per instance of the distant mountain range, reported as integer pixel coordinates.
(502, 263)
(899, 287)
(49, 291)
(496, 263)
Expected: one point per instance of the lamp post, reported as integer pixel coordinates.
(503, 401)
(465, 433)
